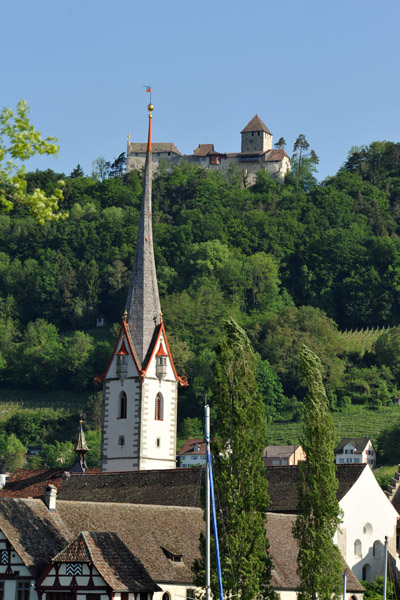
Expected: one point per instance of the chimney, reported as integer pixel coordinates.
(50, 495)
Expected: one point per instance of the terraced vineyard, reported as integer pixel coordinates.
(356, 422)
(360, 340)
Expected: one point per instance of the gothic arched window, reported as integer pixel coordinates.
(159, 407)
(357, 548)
(122, 405)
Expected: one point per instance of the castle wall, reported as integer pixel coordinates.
(248, 169)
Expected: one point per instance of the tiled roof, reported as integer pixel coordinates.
(117, 536)
(256, 125)
(275, 155)
(283, 481)
(156, 147)
(203, 149)
(173, 487)
(284, 550)
(189, 447)
(38, 535)
(359, 443)
(27, 483)
(119, 568)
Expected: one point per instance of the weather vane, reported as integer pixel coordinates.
(148, 89)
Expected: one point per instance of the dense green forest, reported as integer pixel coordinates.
(294, 262)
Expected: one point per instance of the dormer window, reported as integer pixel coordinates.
(196, 448)
(172, 556)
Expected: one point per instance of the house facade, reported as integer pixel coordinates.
(193, 453)
(355, 451)
(279, 456)
(256, 153)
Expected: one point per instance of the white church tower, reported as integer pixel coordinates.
(140, 382)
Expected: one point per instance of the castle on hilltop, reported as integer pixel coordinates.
(256, 153)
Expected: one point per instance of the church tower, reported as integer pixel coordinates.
(140, 382)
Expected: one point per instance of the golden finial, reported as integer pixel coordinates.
(150, 108)
(125, 315)
(161, 317)
(129, 137)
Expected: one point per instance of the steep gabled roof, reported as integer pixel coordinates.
(119, 568)
(256, 125)
(359, 444)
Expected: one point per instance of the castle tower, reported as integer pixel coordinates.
(140, 382)
(256, 137)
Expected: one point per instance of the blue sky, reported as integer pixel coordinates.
(322, 68)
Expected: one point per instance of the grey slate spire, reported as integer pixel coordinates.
(143, 302)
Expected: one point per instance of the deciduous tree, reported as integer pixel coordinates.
(19, 141)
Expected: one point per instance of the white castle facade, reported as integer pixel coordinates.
(256, 153)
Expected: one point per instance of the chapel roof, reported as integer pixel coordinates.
(283, 481)
(284, 550)
(119, 568)
(255, 124)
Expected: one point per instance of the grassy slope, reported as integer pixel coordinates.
(358, 421)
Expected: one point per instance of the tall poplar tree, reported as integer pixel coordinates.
(319, 562)
(240, 482)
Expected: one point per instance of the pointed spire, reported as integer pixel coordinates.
(82, 448)
(143, 303)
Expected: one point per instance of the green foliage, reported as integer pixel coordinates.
(19, 141)
(239, 473)
(319, 562)
(59, 454)
(374, 589)
(13, 451)
(93, 440)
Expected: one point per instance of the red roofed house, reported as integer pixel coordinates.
(192, 454)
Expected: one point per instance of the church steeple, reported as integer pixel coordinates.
(81, 450)
(143, 303)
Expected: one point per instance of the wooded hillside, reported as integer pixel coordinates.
(293, 263)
